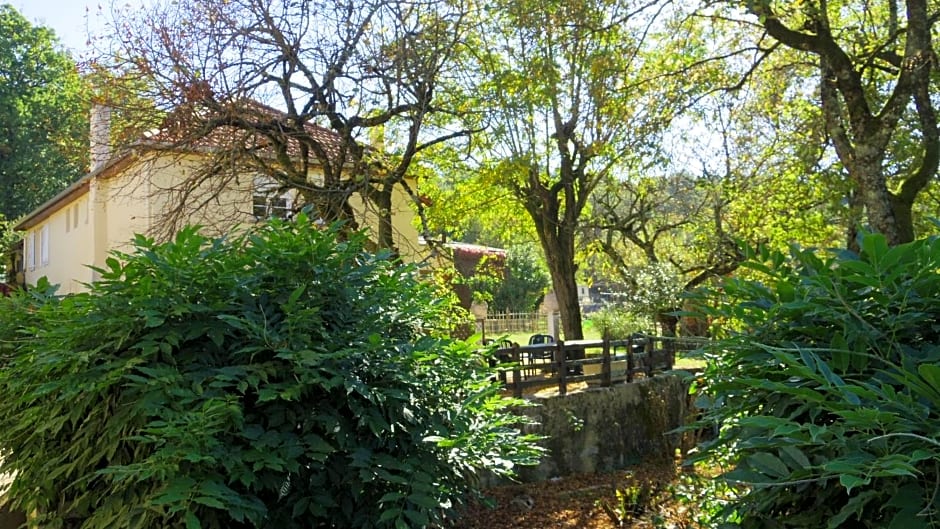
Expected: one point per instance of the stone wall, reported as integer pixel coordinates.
(603, 429)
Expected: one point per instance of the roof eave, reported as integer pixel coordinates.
(73, 191)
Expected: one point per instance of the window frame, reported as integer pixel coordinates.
(44, 245)
(267, 203)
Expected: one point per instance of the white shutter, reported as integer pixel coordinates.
(31, 250)
(44, 245)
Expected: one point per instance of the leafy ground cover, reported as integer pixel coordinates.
(831, 400)
(653, 495)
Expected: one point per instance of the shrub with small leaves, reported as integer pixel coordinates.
(829, 391)
(618, 323)
(281, 379)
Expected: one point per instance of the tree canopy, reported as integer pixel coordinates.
(874, 65)
(43, 109)
(274, 76)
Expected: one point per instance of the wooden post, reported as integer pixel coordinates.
(671, 353)
(631, 362)
(501, 374)
(516, 374)
(605, 366)
(650, 353)
(562, 368)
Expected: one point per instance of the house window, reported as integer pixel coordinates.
(71, 218)
(44, 245)
(267, 203)
(259, 206)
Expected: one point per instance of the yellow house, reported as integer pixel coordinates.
(129, 193)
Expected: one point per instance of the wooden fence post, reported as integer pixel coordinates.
(631, 361)
(516, 374)
(605, 365)
(562, 364)
(671, 353)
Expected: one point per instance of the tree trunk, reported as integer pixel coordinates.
(873, 192)
(382, 200)
(562, 270)
(557, 240)
(904, 217)
(667, 322)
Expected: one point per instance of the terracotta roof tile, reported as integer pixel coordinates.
(246, 124)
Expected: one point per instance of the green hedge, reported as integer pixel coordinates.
(829, 392)
(281, 379)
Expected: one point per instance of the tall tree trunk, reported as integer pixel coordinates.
(868, 174)
(563, 272)
(385, 236)
(557, 238)
(861, 132)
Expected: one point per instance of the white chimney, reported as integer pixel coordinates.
(100, 135)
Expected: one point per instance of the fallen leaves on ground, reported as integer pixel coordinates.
(645, 502)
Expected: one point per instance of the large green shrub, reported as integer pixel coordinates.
(282, 379)
(525, 282)
(618, 323)
(514, 284)
(829, 393)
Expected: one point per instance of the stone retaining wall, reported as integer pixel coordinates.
(604, 429)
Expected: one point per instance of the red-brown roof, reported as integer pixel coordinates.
(243, 124)
(467, 249)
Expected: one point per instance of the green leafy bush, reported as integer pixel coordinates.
(514, 284)
(525, 283)
(618, 323)
(281, 379)
(656, 288)
(829, 393)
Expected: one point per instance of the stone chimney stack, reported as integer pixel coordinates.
(100, 134)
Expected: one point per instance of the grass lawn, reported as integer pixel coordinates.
(522, 338)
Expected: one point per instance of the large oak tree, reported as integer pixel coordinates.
(875, 66)
(560, 90)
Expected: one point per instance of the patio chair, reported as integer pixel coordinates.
(543, 356)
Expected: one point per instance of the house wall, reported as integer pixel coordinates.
(217, 205)
(135, 200)
(123, 208)
(70, 246)
(403, 216)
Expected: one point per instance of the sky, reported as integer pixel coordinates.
(72, 20)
